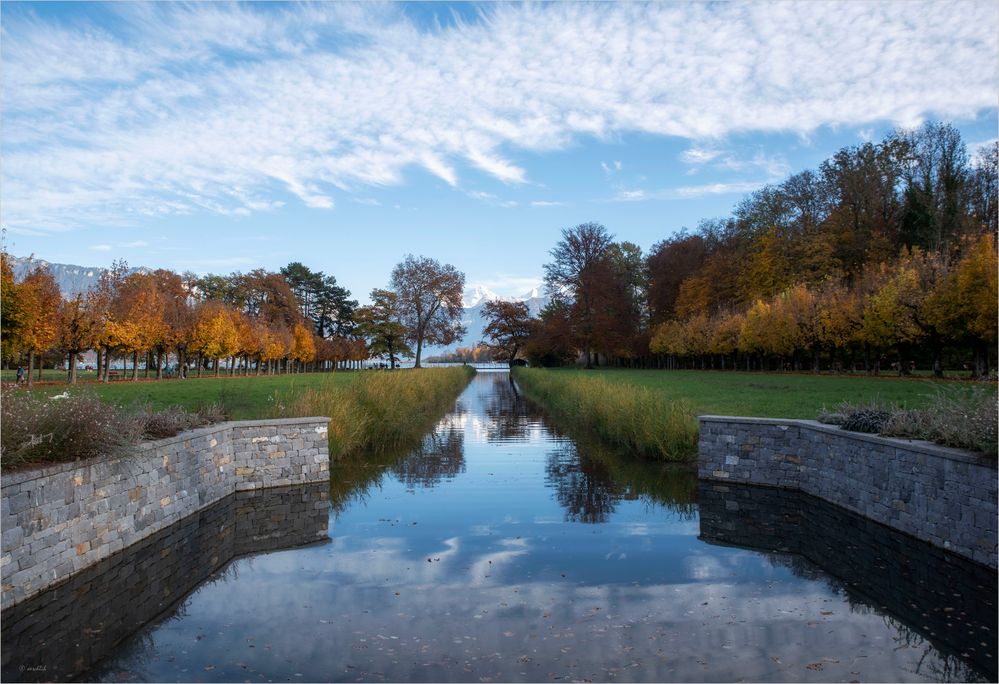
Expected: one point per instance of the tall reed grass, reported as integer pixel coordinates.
(634, 418)
(379, 410)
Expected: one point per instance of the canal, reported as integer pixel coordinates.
(502, 550)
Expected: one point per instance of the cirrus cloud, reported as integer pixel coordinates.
(158, 109)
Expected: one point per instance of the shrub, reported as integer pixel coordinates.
(39, 430)
(966, 420)
(955, 417)
(176, 419)
(634, 418)
(380, 410)
(872, 421)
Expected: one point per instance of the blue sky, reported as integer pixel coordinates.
(217, 137)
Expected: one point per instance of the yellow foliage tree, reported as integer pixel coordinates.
(214, 335)
(303, 346)
(37, 315)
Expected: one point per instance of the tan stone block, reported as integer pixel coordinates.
(82, 548)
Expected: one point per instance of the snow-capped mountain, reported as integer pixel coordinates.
(477, 294)
(474, 299)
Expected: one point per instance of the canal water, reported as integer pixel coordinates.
(502, 550)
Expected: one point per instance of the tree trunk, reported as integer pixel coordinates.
(72, 368)
(201, 362)
(31, 361)
(159, 364)
(216, 362)
(937, 357)
(419, 351)
(135, 366)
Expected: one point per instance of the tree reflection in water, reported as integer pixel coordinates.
(439, 456)
(589, 481)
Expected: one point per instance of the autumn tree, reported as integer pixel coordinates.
(11, 316)
(573, 276)
(214, 335)
(303, 347)
(101, 301)
(136, 323)
(77, 327)
(38, 315)
(429, 301)
(380, 325)
(509, 327)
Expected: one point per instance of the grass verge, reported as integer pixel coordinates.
(637, 419)
(244, 398)
(779, 395)
(378, 411)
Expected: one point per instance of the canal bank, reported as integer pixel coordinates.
(502, 549)
(59, 520)
(946, 497)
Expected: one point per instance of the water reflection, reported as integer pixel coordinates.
(68, 628)
(440, 457)
(931, 598)
(499, 549)
(510, 416)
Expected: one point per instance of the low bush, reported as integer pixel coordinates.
(955, 416)
(36, 430)
(380, 410)
(634, 418)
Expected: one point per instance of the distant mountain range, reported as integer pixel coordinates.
(474, 301)
(73, 280)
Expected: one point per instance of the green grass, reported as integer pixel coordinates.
(243, 397)
(788, 395)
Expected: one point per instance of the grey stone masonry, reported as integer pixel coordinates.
(947, 497)
(58, 520)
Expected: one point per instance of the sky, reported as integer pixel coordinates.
(218, 137)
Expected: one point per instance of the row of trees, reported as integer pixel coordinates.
(887, 251)
(293, 320)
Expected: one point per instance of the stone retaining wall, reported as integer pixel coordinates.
(947, 497)
(938, 595)
(60, 633)
(58, 520)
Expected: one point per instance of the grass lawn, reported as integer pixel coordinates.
(243, 397)
(788, 395)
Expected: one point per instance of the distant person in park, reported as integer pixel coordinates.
(20, 374)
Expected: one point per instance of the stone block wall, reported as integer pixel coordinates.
(939, 595)
(62, 632)
(947, 497)
(58, 520)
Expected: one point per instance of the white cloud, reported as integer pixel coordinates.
(135, 244)
(631, 196)
(699, 155)
(546, 203)
(694, 191)
(612, 168)
(101, 248)
(174, 109)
